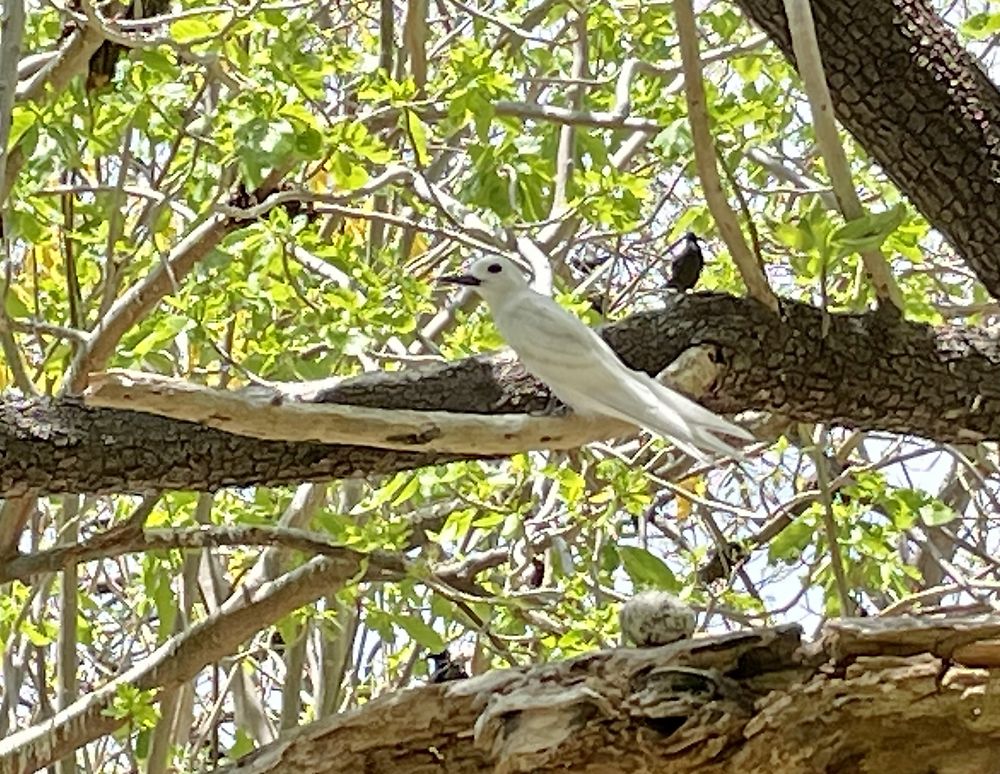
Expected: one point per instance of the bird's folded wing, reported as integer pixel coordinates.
(537, 328)
(697, 413)
(580, 368)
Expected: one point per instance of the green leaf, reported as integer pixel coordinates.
(418, 133)
(142, 741)
(35, 635)
(866, 233)
(191, 29)
(308, 143)
(137, 706)
(792, 540)
(482, 115)
(411, 488)
(794, 236)
(243, 745)
(22, 119)
(166, 604)
(981, 25)
(14, 306)
(904, 506)
(164, 332)
(157, 61)
(421, 633)
(645, 569)
(935, 513)
(347, 173)
(489, 520)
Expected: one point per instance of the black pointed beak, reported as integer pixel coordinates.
(460, 279)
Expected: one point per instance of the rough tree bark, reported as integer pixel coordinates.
(869, 372)
(863, 698)
(919, 103)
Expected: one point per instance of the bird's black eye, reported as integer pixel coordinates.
(494, 268)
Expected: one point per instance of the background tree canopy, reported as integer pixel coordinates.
(249, 193)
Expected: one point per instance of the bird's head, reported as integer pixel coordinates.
(492, 278)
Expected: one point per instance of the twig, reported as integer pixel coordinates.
(818, 449)
(561, 115)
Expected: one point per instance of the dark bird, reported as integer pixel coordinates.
(686, 263)
(445, 670)
(721, 562)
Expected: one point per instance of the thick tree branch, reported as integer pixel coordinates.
(869, 372)
(260, 413)
(918, 102)
(740, 702)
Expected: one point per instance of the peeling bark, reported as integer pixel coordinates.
(870, 372)
(746, 701)
(919, 103)
(273, 415)
(53, 446)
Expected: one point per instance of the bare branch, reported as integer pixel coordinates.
(415, 41)
(70, 61)
(561, 115)
(270, 415)
(180, 658)
(11, 35)
(116, 542)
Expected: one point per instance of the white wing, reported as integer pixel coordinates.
(584, 372)
(538, 328)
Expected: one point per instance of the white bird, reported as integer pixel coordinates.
(582, 371)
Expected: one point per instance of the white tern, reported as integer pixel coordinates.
(582, 371)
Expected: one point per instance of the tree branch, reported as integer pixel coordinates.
(745, 701)
(803, 33)
(126, 540)
(271, 416)
(182, 657)
(869, 372)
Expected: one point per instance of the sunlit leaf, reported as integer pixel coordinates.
(646, 569)
(421, 633)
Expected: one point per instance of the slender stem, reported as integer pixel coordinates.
(830, 523)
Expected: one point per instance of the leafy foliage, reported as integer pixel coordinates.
(511, 562)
